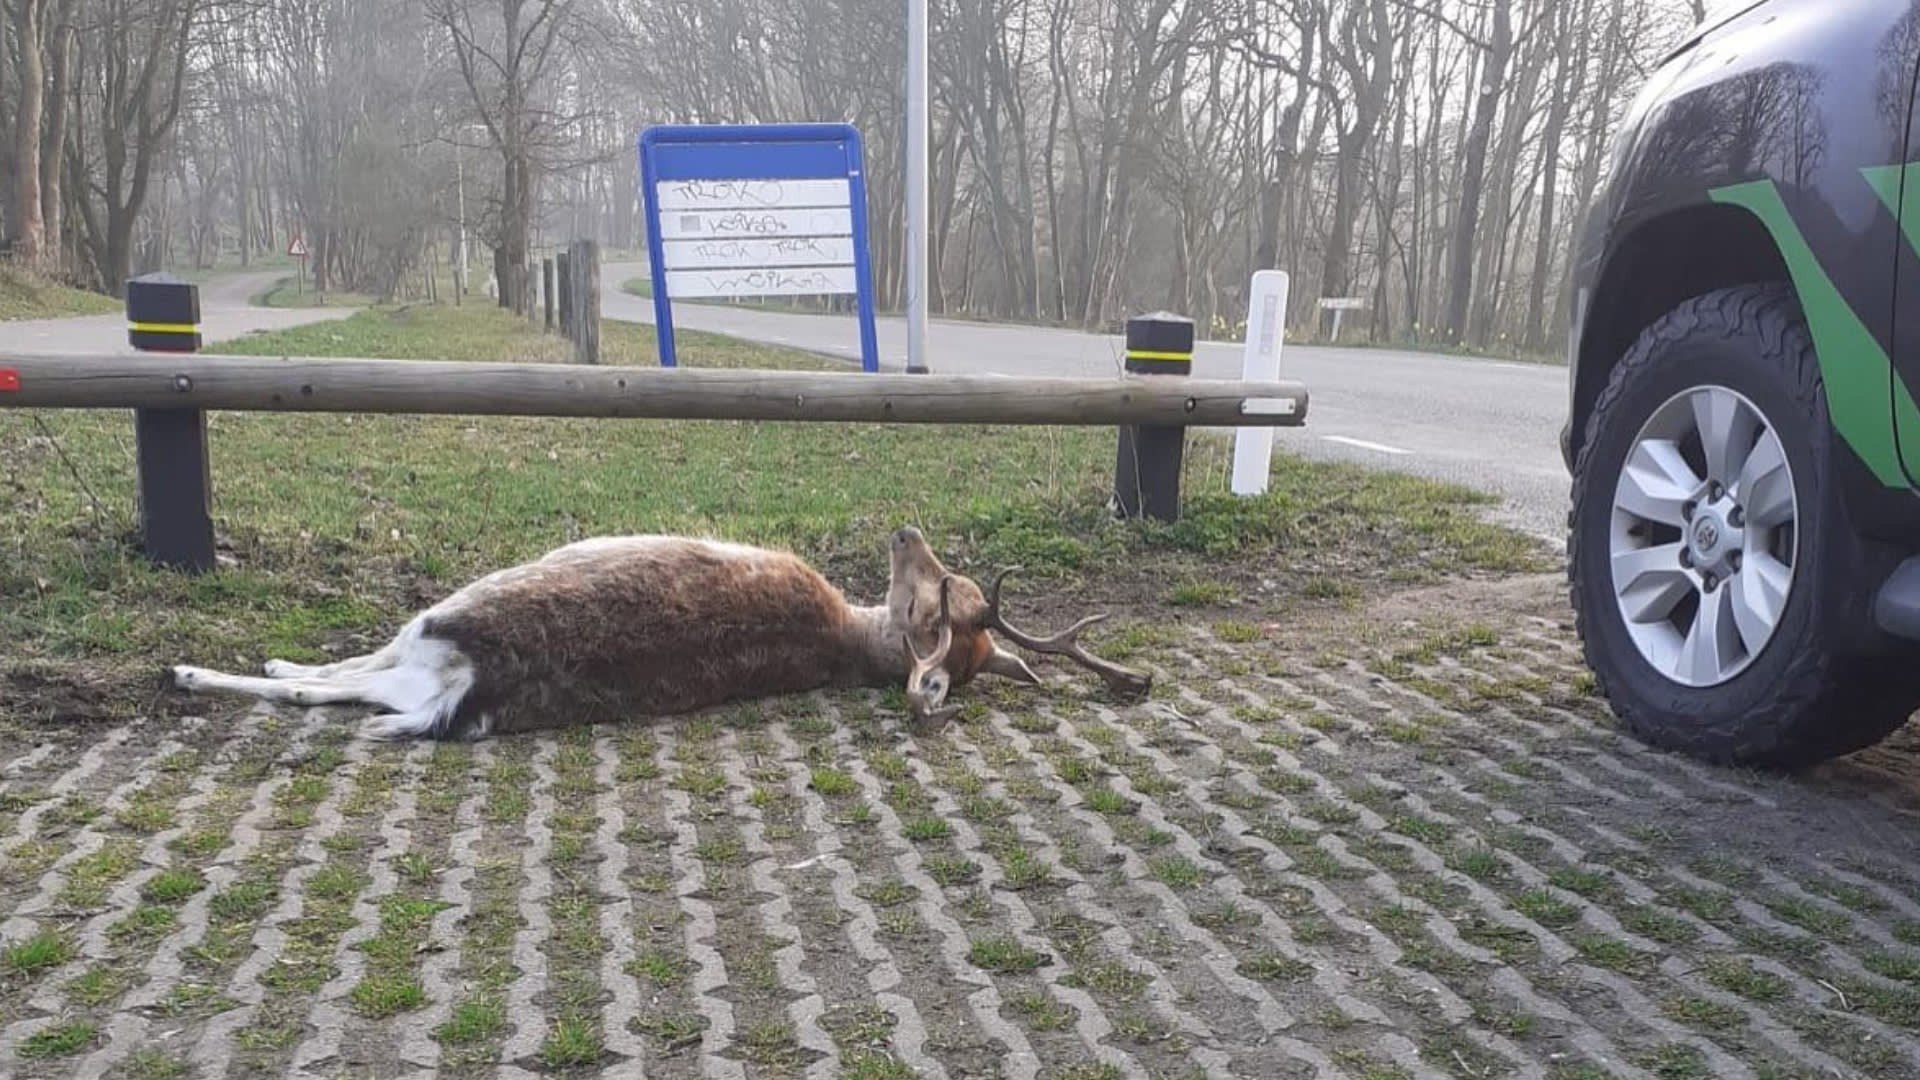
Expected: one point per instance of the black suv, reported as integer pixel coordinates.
(1745, 532)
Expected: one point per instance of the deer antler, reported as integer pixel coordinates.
(1065, 643)
(924, 703)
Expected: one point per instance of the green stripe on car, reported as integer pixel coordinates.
(1854, 367)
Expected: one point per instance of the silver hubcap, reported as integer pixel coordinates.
(1704, 536)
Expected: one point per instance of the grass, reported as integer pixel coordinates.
(60, 1040)
(41, 952)
(26, 294)
(291, 292)
(335, 524)
(1004, 954)
(29, 294)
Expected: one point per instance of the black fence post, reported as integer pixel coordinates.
(563, 283)
(1147, 471)
(176, 483)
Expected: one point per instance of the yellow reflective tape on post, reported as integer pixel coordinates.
(163, 328)
(1176, 357)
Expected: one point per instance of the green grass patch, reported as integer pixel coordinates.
(1004, 954)
(833, 783)
(1178, 872)
(571, 1043)
(1546, 909)
(1704, 1015)
(1675, 1061)
(28, 295)
(474, 1021)
(173, 886)
(60, 1040)
(391, 984)
(1611, 953)
(924, 829)
(292, 292)
(1273, 966)
(36, 954)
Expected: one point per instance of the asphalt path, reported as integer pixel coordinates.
(1490, 425)
(226, 312)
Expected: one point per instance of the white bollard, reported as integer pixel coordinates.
(1266, 321)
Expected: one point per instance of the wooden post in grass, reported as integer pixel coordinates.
(170, 445)
(585, 264)
(546, 290)
(1147, 472)
(563, 280)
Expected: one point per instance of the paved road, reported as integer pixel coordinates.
(224, 313)
(1491, 425)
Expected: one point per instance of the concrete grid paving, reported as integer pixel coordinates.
(1430, 856)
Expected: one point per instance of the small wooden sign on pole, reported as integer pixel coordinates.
(1340, 305)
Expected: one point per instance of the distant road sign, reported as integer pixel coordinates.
(298, 248)
(756, 210)
(1340, 305)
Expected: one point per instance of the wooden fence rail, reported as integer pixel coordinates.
(247, 383)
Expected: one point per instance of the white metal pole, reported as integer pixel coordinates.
(917, 269)
(1260, 362)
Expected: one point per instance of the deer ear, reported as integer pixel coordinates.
(1008, 666)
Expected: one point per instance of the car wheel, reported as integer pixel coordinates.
(1721, 594)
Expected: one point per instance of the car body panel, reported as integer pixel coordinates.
(1796, 112)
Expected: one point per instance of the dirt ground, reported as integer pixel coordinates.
(1379, 841)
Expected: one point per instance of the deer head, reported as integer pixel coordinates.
(948, 612)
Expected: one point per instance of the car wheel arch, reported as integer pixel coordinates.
(1654, 267)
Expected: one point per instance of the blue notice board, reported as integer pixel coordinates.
(756, 210)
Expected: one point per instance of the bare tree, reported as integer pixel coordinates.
(505, 58)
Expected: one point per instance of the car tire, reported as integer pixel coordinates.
(1817, 684)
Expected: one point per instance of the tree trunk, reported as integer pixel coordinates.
(1336, 273)
(1473, 177)
(54, 149)
(516, 228)
(1566, 87)
(29, 220)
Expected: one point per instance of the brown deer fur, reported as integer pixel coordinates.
(619, 628)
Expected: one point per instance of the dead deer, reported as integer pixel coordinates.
(620, 627)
